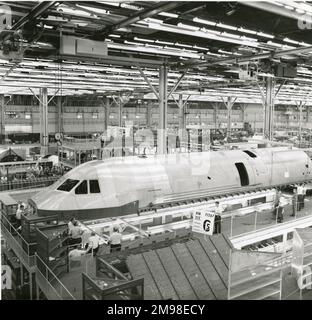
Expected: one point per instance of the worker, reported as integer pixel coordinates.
(300, 197)
(71, 223)
(278, 197)
(93, 244)
(75, 234)
(280, 213)
(18, 216)
(115, 240)
(217, 221)
(294, 203)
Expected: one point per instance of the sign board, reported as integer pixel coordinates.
(203, 221)
(17, 128)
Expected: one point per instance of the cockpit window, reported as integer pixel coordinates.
(82, 188)
(67, 185)
(94, 186)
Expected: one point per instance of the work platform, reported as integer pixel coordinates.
(169, 236)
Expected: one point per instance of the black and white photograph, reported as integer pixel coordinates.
(156, 156)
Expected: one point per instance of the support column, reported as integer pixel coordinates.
(149, 115)
(161, 137)
(59, 115)
(307, 113)
(215, 115)
(120, 112)
(300, 107)
(269, 109)
(2, 123)
(44, 133)
(229, 104)
(243, 109)
(106, 105)
(182, 118)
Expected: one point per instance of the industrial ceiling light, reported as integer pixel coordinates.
(182, 45)
(186, 26)
(152, 20)
(225, 26)
(145, 40)
(95, 10)
(114, 35)
(246, 30)
(290, 41)
(265, 35)
(153, 49)
(209, 23)
(168, 14)
(201, 34)
(164, 42)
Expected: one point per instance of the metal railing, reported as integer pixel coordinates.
(19, 245)
(50, 284)
(28, 184)
(236, 225)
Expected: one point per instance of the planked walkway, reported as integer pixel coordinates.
(194, 270)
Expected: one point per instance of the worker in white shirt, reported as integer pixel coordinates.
(93, 243)
(71, 223)
(217, 221)
(18, 215)
(75, 234)
(115, 240)
(300, 192)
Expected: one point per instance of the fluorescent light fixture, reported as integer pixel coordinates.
(290, 41)
(265, 35)
(304, 44)
(110, 3)
(201, 34)
(152, 20)
(114, 35)
(145, 40)
(182, 45)
(130, 6)
(153, 49)
(210, 23)
(67, 10)
(279, 4)
(186, 26)
(164, 42)
(168, 14)
(300, 10)
(289, 7)
(231, 35)
(199, 48)
(95, 10)
(247, 38)
(134, 43)
(225, 26)
(274, 44)
(247, 30)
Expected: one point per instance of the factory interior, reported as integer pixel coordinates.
(156, 150)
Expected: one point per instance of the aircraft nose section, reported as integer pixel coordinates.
(53, 200)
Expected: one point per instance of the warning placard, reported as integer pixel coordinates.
(203, 221)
